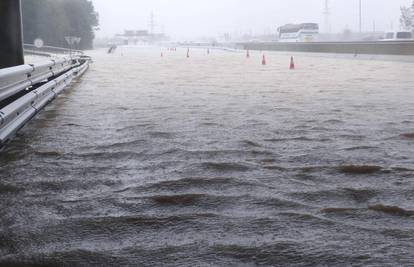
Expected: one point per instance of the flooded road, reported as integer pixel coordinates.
(216, 161)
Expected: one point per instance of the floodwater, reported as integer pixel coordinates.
(215, 160)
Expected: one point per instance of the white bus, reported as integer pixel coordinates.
(305, 32)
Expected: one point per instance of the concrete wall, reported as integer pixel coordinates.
(11, 38)
(356, 48)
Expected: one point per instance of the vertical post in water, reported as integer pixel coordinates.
(11, 34)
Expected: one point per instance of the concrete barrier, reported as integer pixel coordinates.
(356, 48)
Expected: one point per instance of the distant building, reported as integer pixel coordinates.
(139, 33)
(135, 37)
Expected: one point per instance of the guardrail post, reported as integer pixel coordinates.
(11, 34)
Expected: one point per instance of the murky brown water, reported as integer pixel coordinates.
(216, 161)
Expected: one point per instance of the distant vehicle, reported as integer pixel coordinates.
(305, 32)
(398, 36)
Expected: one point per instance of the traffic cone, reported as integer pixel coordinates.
(292, 64)
(247, 54)
(264, 60)
(188, 52)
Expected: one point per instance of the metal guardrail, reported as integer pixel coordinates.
(50, 50)
(27, 89)
(13, 80)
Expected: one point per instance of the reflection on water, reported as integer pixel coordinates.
(216, 161)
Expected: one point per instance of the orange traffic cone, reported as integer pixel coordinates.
(264, 60)
(292, 64)
(247, 54)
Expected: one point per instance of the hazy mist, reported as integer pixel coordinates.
(197, 18)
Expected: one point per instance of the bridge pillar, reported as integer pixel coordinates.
(11, 34)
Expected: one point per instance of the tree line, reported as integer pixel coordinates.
(407, 18)
(53, 20)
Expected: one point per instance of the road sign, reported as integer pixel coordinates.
(38, 43)
(72, 40)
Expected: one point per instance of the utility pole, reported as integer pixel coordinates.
(11, 34)
(152, 23)
(327, 14)
(360, 16)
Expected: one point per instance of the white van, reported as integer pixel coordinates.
(398, 36)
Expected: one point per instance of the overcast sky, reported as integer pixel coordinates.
(198, 18)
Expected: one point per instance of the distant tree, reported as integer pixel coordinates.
(82, 19)
(407, 18)
(52, 20)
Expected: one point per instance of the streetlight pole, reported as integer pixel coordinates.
(11, 34)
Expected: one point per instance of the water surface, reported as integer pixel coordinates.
(216, 161)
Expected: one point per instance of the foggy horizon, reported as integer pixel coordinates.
(181, 19)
